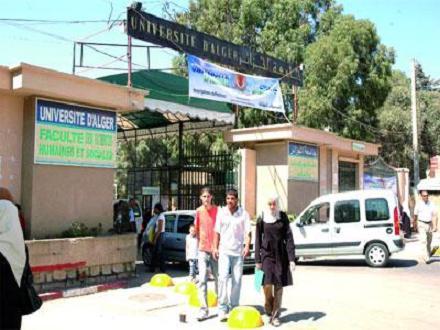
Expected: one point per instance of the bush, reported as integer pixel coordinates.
(291, 216)
(78, 229)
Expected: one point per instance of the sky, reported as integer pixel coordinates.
(409, 26)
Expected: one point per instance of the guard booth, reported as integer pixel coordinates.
(169, 148)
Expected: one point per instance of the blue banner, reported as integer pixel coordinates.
(51, 112)
(212, 82)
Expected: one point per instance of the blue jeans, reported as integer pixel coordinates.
(192, 267)
(205, 259)
(234, 265)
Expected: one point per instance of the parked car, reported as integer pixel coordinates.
(363, 222)
(176, 228)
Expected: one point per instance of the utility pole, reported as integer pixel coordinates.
(414, 124)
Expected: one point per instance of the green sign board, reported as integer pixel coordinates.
(303, 162)
(73, 135)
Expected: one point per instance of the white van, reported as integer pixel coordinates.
(362, 222)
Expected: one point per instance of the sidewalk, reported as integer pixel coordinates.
(413, 248)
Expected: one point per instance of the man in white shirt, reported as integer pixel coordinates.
(231, 244)
(425, 213)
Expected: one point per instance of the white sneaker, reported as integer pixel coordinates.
(203, 315)
(223, 316)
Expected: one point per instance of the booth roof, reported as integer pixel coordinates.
(168, 101)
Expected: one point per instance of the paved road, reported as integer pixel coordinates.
(341, 293)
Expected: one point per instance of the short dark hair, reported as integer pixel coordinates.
(192, 226)
(233, 192)
(206, 190)
(159, 207)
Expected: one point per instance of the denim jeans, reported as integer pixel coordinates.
(234, 264)
(205, 259)
(192, 267)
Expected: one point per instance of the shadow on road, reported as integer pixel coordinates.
(393, 263)
(302, 316)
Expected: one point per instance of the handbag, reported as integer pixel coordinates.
(30, 301)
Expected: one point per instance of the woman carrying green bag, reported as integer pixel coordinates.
(275, 256)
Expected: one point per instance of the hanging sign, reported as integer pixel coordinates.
(73, 135)
(212, 82)
(147, 27)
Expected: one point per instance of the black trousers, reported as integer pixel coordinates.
(10, 313)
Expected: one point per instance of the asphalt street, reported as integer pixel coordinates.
(336, 293)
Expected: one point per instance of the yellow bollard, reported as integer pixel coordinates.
(195, 302)
(244, 317)
(185, 288)
(161, 280)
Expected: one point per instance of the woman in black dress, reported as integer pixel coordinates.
(12, 262)
(275, 255)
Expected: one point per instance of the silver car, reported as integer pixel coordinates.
(177, 225)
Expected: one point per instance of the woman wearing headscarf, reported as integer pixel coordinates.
(12, 262)
(275, 255)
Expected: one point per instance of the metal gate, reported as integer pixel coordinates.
(180, 184)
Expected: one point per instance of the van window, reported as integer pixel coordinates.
(347, 211)
(316, 214)
(376, 209)
(184, 222)
(170, 220)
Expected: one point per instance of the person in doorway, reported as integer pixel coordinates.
(12, 262)
(158, 223)
(131, 215)
(191, 251)
(231, 244)
(425, 215)
(275, 255)
(204, 224)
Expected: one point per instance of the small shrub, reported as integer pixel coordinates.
(78, 229)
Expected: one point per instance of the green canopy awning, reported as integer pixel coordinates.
(168, 101)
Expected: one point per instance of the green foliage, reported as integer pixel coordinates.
(78, 229)
(395, 122)
(292, 217)
(281, 28)
(347, 77)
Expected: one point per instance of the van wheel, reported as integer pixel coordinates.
(147, 255)
(377, 255)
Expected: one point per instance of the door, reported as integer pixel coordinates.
(170, 238)
(347, 228)
(312, 232)
(184, 221)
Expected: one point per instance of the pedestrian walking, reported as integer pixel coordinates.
(275, 255)
(231, 245)
(12, 263)
(191, 250)
(157, 224)
(425, 214)
(205, 220)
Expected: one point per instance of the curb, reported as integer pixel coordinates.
(82, 291)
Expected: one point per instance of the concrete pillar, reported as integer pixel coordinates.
(323, 173)
(335, 171)
(247, 183)
(360, 171)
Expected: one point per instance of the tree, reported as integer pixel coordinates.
(281, 28)
(395, 126)
(347, 77)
